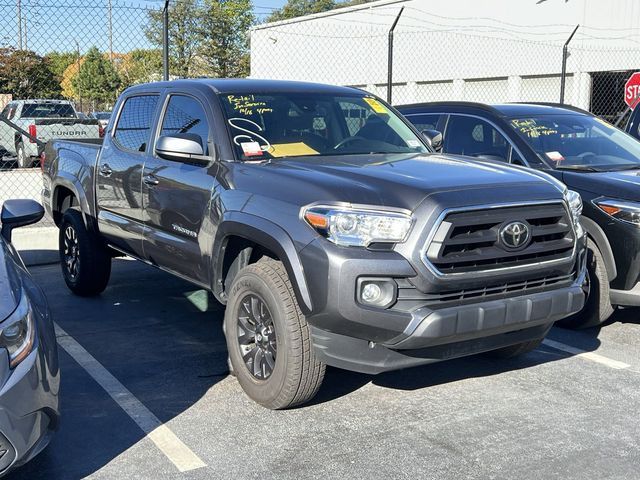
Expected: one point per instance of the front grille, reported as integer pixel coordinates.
(469, 241)
(409, 297)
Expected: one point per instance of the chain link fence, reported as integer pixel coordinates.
(63, 64)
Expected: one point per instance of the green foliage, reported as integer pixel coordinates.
(223, 32)
(140, 66)
(97, 79)
(60, 61)
(25, 74)
(298, 8)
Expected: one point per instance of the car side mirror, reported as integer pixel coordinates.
(18, 213)
(181, 147)
(434, 139)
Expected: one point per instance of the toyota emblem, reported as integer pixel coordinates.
(515, 235)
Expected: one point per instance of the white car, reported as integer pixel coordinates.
(43, 120)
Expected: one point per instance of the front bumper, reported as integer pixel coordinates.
(349, 335)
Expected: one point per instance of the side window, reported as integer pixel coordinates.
(475, 137)
(186, 115)
(425, 121)
(134, 124)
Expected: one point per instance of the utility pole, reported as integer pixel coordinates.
(165, 41)
(565, 56)
(19, 11)
(24, 28)
(390, 56)
(110, 15)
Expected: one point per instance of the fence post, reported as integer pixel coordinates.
(165, 41)
(390, 56)
(565, 56)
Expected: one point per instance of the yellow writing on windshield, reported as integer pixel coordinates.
(248, 105)
(531, 129)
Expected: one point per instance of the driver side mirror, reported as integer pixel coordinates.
(434, 139)
(18, 213)
(181, 147)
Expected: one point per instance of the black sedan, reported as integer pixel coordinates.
(590, 156)
(29, 373)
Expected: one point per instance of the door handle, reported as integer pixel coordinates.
(150, 180)
(105, 170)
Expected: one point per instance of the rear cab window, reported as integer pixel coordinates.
(48, 110)
(133, 128)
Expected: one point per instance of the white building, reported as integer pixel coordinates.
(479, 50)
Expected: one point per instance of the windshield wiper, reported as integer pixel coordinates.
(619, 168)
(583, 168)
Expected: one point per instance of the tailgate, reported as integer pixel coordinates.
(71, 128)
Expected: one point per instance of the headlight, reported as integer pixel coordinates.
(359, 226)
(17, 333)
(620, 209)
(575, 205)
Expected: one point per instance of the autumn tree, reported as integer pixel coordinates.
(140, 66)
(97, 79)
(25, 74)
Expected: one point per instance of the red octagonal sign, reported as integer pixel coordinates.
(632, 90)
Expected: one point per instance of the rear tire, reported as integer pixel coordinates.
(597, 308)
(268, 338)
(85, 261)
(516, 350)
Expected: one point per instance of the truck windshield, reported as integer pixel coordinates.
(265, 126)
(579, 142)
(48, 110)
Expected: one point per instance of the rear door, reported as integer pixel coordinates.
(119, 172)
(177, 194)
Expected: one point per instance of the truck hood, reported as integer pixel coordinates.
(402, 181)
(10, 283)
(624, 185)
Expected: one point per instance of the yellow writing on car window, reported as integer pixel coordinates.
(375, 105)
(531, 129)
(248, 105)
(291, 149)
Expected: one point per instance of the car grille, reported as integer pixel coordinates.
(409, 297)
(469, 241)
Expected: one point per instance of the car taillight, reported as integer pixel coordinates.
(33, 133)
(101, 131)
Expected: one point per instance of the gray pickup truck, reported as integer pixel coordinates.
(324, 222)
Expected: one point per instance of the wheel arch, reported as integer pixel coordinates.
(66, 194)
(597, 235)
(254, 237)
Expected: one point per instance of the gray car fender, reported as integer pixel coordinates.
(268, 235)
(600, 239)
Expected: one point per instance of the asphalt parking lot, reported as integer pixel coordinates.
(555, 413)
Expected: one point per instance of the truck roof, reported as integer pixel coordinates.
(500, 109)
(252, 85)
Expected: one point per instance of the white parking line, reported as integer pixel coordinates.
(176, 451)
(594, 357)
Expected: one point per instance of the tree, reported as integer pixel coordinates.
(298, 8)
(223, 34)
(140, 66)
(25, 74)
(68, 77)
(60, 61)
(184, 39)
(97, 79)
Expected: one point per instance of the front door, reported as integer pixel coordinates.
(119, 174)
(177, 195)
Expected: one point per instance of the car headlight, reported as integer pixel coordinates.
(623, 210)
(358, 226)
(17, 332)
(575, 206)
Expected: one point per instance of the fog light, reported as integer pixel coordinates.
(376, 292)
(371, 292)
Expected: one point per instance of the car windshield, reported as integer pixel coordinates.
(48, 110)
(102, 115)
(579, 142)
(265, 126)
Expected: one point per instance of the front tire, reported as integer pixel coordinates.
(268, 338)
(597, 308)
(86, 263)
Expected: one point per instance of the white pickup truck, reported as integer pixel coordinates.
(32, 123)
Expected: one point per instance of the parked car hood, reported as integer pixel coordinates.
(391, 180)
(10, 283)
(624, 185)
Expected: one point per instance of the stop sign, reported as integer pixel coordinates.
(632, 90)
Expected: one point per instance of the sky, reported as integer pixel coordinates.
(65, 25)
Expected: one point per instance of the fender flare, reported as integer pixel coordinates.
(268, 235)
(71, 183)
(598, 236)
